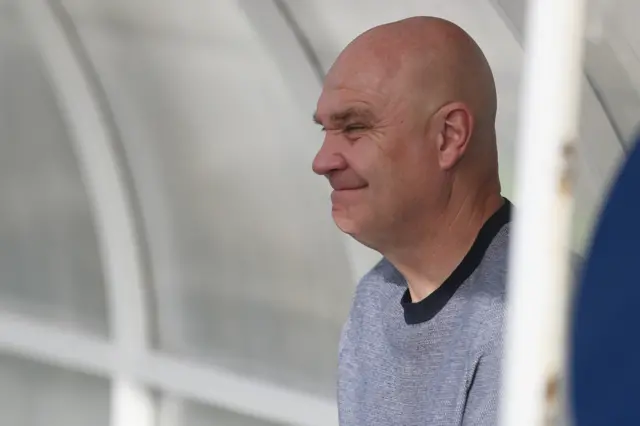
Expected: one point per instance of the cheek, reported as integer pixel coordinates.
(392, 167)
(365, 160)
(407, 161)
(412, 174)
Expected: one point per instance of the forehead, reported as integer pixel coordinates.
(345, 95)
(342, 104)
(359, 85)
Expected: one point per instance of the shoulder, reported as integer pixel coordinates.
(373, 291)
(380, 279)
(376, 288)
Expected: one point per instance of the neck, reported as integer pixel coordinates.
(428, 260)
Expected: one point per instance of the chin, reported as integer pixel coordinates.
(345, 222)
(352, 227)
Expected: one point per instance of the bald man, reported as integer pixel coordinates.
(408, 110)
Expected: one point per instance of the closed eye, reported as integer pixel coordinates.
(351, 128)
(354, 128)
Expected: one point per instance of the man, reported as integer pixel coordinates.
(408, 110)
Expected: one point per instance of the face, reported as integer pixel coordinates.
(380, 155)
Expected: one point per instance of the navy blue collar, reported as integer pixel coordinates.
(427, 308)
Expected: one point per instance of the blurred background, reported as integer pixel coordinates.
(167, 256)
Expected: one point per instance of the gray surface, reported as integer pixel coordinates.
(33, 394)
(48, 250)
(195, 414)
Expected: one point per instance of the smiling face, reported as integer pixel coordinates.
(379, 152)
(408, 110)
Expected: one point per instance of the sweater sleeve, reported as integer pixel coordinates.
(481, 408)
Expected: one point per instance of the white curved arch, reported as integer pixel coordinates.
(128, 360)
(107, 193)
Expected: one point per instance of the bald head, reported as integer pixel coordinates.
(429, 59)
(409, 112)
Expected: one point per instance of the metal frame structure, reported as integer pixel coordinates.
(538, 275)
(111, 211)
(207, 384)
(127, 360)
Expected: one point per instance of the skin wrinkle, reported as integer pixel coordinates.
(419, 176)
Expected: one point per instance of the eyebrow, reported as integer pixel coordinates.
(346, 115)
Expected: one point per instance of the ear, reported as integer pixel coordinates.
(455, 133)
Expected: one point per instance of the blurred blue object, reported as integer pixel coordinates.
(605, 335)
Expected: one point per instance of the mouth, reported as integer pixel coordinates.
(336, 186)
(348, 189)
(345, 195)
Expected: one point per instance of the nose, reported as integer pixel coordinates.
(329, 158)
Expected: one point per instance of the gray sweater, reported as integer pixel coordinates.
(432, 363)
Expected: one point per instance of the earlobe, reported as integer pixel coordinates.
(455, 135)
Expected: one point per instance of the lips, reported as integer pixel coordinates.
(347, 187)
